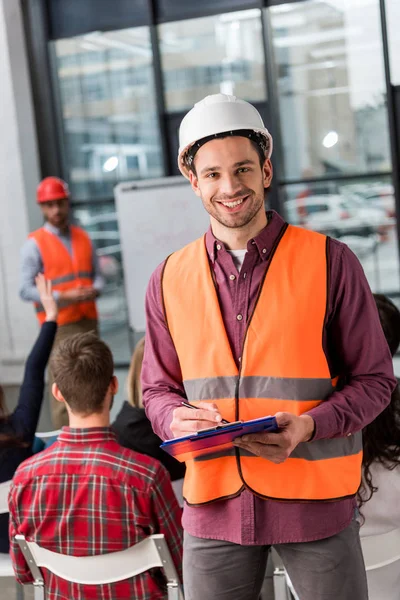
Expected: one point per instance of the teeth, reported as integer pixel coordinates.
(233, 204)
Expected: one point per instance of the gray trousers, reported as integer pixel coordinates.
(328, 569)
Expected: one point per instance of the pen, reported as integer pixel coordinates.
(224, 421)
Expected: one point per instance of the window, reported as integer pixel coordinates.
(110, 123)
(360, 213)
(100, 221)
(393, 20)
(331, 88)
(210, 55)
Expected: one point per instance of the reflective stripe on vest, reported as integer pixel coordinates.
(72, 276)
(67, 271)
(283, 368)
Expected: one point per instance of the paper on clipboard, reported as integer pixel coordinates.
(215, 439)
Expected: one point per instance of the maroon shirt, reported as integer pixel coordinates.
(354, 345)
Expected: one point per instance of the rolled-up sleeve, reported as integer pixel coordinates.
(98, 279)
(31, 265)
(356, 349)
(162, 385)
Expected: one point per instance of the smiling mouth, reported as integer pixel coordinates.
(234, 203)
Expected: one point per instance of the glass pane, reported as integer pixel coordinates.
(359, 213)
(331, 87)
(100, 221)
(108, 107)
(393, 20)
(211, 55)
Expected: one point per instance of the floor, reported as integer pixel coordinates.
(7, 590)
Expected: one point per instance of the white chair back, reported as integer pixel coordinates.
(4, 490)
(44, 435)
(381, 550)
(6, 568)
(103, 569)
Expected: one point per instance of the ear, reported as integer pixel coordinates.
(268, 172)
(194, 182)
(114, 385)
(56, 393)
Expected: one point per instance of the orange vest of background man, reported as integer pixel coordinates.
(65, 254)
(283, 368)
(67, 271)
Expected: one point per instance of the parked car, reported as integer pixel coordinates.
(378, 195)
(336, 216)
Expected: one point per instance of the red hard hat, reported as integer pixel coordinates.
(51, 188)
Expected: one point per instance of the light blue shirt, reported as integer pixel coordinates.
(32, 264)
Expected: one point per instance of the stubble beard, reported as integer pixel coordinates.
(237, 221)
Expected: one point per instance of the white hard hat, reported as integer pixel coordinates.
(217, 114)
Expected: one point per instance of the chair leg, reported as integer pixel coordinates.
(174, 592)
(19, 591)
(281, 589)
(39, 592)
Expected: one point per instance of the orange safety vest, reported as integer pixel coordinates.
(283, 368)
(66, 271)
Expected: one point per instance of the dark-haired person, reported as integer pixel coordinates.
(132, 427)
(17, 430)
(86, 494)
(379, 494)
(259, 317)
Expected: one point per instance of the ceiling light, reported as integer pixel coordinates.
(111, 164)
(331, 139)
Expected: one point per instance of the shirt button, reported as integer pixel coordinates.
(240, 358)
(232, 277)
(264, 250)
(239, 317)
(218, 246)
(244, 275)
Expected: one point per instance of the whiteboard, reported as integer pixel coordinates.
(155, 217)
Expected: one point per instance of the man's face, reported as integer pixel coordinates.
(56, 212)
(230, 180)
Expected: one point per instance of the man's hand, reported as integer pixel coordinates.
(89, 293)
(187, 421)
(79, 294)
(277, 447)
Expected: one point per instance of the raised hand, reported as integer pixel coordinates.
(49, 304)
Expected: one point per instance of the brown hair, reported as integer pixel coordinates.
(83, 366)
(190, 155)
(133, 385)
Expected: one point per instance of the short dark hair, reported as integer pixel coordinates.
(189, 161)
(389, 316)
(82, 367)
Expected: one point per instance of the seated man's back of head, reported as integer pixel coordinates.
(86, 494)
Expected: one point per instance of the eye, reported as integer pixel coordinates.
(211, 175)
(243, 170)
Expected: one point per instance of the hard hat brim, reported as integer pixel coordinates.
(182, 151)
(53, 197)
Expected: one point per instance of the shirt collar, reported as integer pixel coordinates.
(263, 242)
(54, 230)
(89, 435)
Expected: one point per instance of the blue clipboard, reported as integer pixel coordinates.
(215, 439)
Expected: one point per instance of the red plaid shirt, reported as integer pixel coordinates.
(88, 495)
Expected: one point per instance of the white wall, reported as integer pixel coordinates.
(19, 175)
